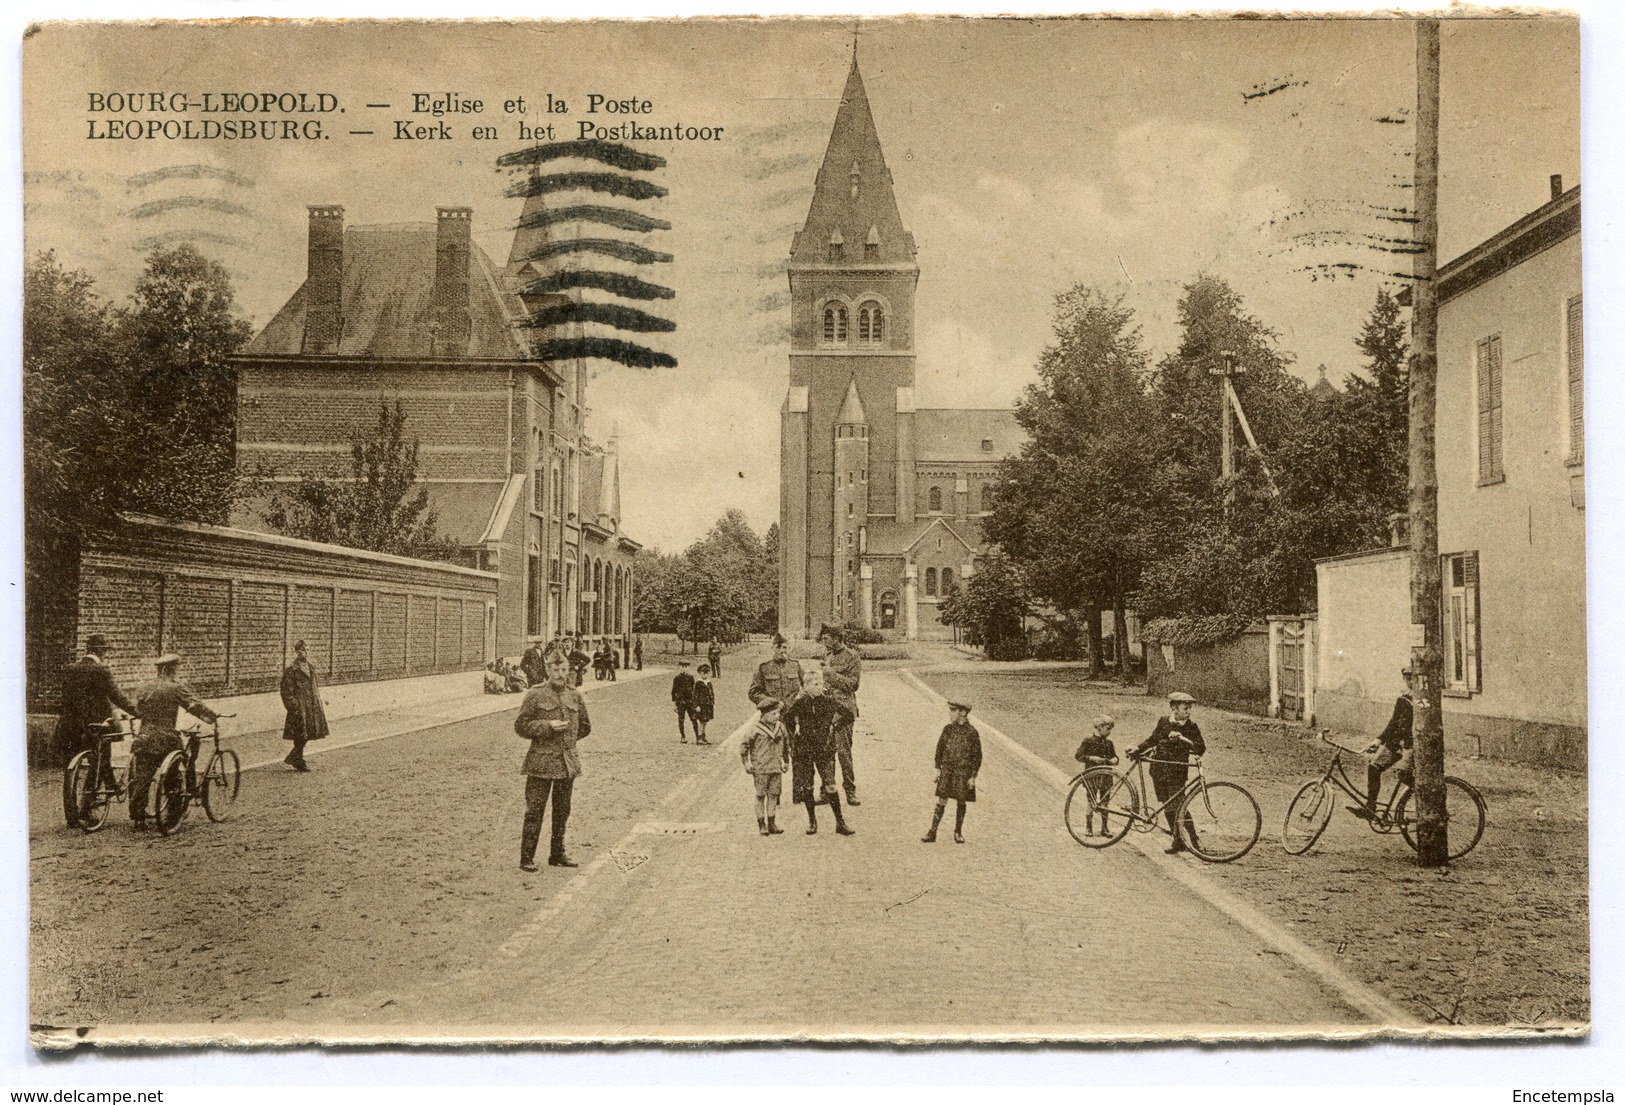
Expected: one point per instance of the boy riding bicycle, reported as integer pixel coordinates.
(1395, 743)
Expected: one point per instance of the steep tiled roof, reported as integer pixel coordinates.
(387, 305)
(956, 436)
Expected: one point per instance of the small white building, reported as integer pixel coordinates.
(1511, 468)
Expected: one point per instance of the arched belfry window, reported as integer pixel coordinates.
(834, 323)
(933, 499)
(871, 324)
(931, 581)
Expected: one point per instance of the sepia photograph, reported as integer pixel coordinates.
(922, 530)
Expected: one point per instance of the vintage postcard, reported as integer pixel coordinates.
(1056, 529)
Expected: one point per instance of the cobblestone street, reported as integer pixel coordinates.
(383, 890)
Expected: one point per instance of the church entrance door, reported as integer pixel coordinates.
(888, 610)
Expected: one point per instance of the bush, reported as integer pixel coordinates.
(862, 635)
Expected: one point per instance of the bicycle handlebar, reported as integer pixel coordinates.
(1325, 738)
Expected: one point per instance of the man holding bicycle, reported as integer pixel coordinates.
(1395, 743)
(1171, 744)
(158, 704)
(90, 694)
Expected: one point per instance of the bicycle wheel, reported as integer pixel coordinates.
(169, 797)
(220, 783)
(1220, 822)
(1464, 814)
(93, 800)
(1101, 796)
(70, 788)
(1307, 817)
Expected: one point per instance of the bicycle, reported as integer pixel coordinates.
(1219, 822)
(176, 786)
(92, 782)
(1312, 807)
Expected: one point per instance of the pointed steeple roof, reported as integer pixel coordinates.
(853, 202)
(852, 408)
(609, 487)
(528, 239)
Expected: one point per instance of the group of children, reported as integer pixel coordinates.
(765, 753)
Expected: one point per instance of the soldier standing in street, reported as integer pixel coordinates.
(843, 670)
(778, 678)
(158, 704)
(553, 718)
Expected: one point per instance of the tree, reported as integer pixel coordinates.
(179, 330)
(724, 585)
(377, 508)
(991, 607)
(1072, 507)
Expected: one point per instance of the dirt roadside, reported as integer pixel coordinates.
(1500, 938)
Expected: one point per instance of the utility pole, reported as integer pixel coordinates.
(1229, 401)
(1427, 658)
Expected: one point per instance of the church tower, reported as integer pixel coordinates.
(847, 421)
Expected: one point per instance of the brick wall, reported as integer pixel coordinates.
(233, 602)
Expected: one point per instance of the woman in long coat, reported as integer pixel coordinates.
(301, 697)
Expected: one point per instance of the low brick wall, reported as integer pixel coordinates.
(1233, 674)
(233, 602)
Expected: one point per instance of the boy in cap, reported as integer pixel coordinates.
(959, 758)
(682, 699)
(766, 757)
(810, 720)
(705, 704)
(1395, 742)
(1171, 744)
(1097, 750)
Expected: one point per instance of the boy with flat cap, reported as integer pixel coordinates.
(959, 758)
(1171, 744)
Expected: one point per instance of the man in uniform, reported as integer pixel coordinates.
(778, 678)
(553, 718)
(533, 665)
(158, 704)
(843, 670)
(89, 696)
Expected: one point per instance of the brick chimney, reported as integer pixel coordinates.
(324, 279)
(453, 237)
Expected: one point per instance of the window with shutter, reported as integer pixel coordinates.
(1490, 467)
(1576, 368)
(1462, 655)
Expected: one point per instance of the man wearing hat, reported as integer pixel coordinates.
(682, 700)
(1174, 740)
(301, 697)
(89, 696)
(843, 670)
(778, 678)
(158, 704)
(1395, 741)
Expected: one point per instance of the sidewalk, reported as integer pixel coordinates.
(266, 748)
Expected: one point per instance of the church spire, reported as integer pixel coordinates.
(527, 240)
(852, 200)
(852, 408)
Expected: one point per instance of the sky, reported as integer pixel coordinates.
(1027, 156)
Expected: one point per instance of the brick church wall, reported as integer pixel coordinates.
(232, 603)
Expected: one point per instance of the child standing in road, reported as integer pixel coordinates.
(959, 758)
(1097, 751)
(705, 704)
(766, 757)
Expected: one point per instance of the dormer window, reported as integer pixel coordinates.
(837, 247)
(834, 324)
(871, 244)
